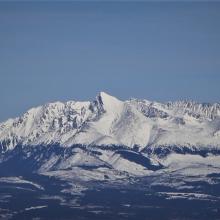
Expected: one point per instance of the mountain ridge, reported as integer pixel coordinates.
(110, 121)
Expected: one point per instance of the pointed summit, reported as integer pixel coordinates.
(106, 97)
(107, 101)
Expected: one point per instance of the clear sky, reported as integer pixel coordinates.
(71, 51)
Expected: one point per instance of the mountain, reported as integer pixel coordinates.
(112, 159)
(108, 121)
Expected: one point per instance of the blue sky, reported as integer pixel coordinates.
(71, 51)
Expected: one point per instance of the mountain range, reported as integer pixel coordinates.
(108, 121)
(108, 159)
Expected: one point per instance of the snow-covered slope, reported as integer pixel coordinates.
(108, 121)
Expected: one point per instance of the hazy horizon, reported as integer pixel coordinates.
(71, 51)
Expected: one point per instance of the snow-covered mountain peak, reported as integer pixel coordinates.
(110, 121)
(109, 103)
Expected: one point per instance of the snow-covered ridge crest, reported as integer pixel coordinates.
(110, 121)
